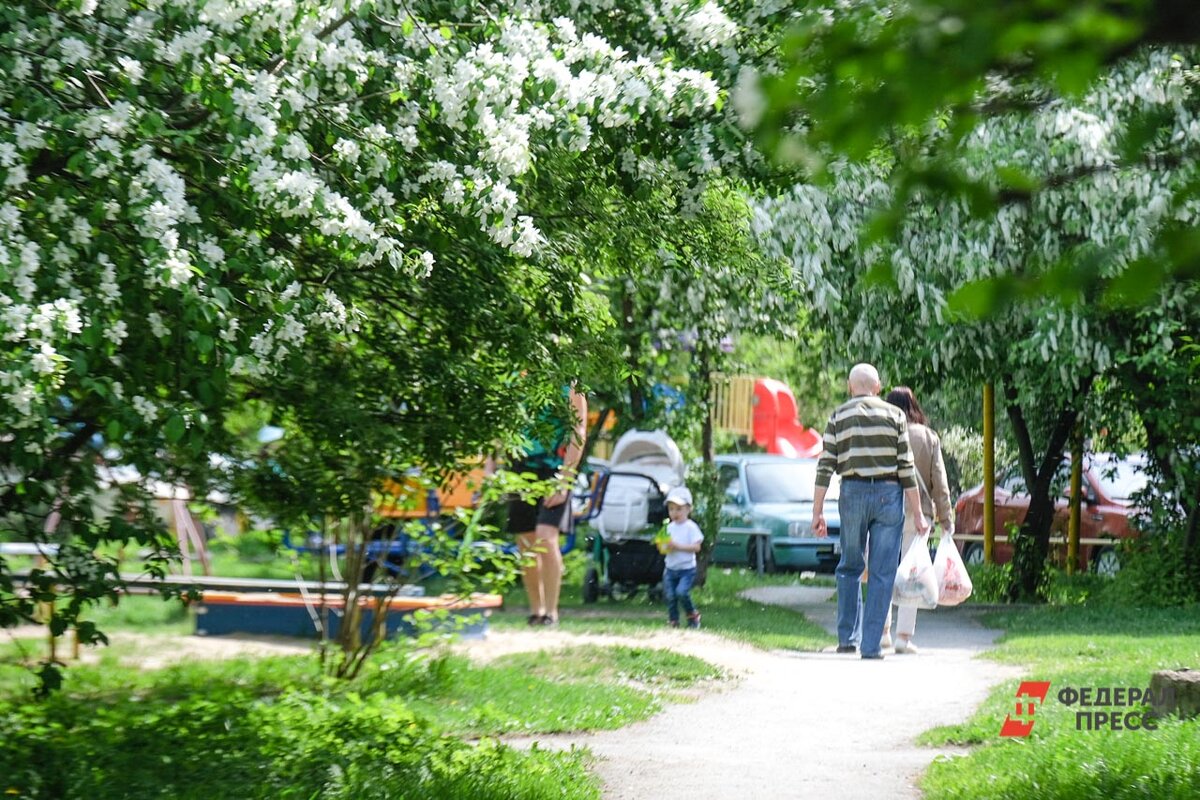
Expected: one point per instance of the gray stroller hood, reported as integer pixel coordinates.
(645, 466)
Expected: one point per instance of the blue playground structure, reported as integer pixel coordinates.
(397, 551)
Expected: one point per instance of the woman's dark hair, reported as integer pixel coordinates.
(903, 398)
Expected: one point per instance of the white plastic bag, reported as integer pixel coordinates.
(954, 584)
(916, 584)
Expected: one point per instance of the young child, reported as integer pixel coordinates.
(680, 572)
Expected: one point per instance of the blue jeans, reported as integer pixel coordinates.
(872, 513)
(677, 586)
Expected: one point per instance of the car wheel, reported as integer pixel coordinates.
(973, 555)
(591, 585)
(1106, 562)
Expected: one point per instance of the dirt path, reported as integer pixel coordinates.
(796, 725)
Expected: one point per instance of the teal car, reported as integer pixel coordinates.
(768, 499)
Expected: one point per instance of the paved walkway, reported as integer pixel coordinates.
(800, 725)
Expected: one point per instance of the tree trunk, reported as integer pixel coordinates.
(637, 400)
(1032, 545)
(706, 480)
(1016, 418)
(706, 425)
(1162, 445)
(1191, 537)
(1158, 442)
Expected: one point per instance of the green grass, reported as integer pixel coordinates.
(575, 689)
(724, 613)
(297, 744)
(275, 566)
(146, 613)
(1077, 647)
(274, 727)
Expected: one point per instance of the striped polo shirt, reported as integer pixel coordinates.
(867, 438)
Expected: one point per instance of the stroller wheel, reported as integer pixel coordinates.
(623, 591)
(655, 593)
(591, 585)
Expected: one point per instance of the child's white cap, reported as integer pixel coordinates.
(680, 496)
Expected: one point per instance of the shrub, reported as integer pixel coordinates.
(991, 582)
(228, 743)
(963, 449)
(1154, 572)
(1060, 589)
(252, 546)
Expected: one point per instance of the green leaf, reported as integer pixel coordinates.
(445, 32)
(407, 27)
(1141, 130)
(77, 161)
(206, 392)
(975, 300)
(1017, 179)
(1135, 285)
(881, 276)
(174, 429)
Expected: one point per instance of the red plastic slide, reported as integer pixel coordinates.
(775, 425)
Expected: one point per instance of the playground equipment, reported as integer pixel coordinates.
(775, 424)
(292, 614)
(764, 411)
(412, 500)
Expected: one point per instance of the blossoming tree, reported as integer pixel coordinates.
(912, 301)
(358, 216)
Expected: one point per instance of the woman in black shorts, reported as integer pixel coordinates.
(537, 524)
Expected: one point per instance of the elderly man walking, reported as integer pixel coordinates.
(866, 443)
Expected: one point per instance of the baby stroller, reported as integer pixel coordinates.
(645, 466)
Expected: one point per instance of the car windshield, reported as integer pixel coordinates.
(1121, 480)
(784, 482)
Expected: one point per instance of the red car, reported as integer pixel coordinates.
(1109, 483)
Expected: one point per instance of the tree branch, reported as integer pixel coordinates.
(278, 63)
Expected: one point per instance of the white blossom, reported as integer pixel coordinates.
(117, 332)
(145, 408)
(157, 326)
(132, 68)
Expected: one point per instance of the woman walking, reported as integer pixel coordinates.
(935, 495)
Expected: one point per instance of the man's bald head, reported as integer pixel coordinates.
(864, 379)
